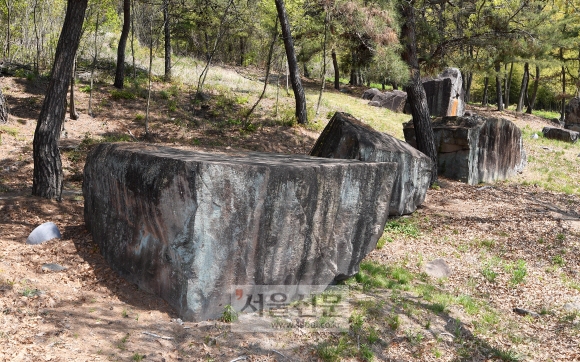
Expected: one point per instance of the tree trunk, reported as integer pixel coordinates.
(498, 91)
(242, 51)
(468, 81)
(532, 102)
(563, 105)
(8, 26)
(306, 71)
(336, 70)
(485, 87)
(415, 92)
(73, 110)
(120, 71)
(48, 176)
(323, 80)
(167, 38)
(3, 109)
(508, 85)
(523, 88)
(301, 114)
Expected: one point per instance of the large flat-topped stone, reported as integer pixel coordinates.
(346, 137)
(393, 100)
(560, 134)
(190, 225)
(475, 149)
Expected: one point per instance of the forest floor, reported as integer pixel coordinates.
(512, 244)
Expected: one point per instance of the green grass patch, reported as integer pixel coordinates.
(118, 94)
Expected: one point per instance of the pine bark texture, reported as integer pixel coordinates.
(167, 39)
(48, 176)
(299, 95)
(532, 101)
(336, 71)
(120, 71)
(415, 92)
(523, 88)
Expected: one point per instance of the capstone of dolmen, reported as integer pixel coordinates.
(188, 226)
(393, 100)
(560, 134)
(370, 93)
(475, 149)
(445, 94)
(348, 138)
(572, 115)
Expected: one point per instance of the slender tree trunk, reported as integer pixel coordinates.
(37, 36)
(120, 71)
(211, 52)
(73, 110)
(498, 91)
(508, 85)
(47, 175)
(242, 51)
(336, 70)
(149, 78)
(485, 88)
(468, 81)
(268, 65)
(523, 88)
(563, 104)
(8, 27)
(133, 38)
(323, 81)
(167, 38)
(415, 91)
(532, 101)
(353, 77)
(94, 64)
(299, 95)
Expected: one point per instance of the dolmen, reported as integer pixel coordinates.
(475, 149)
(445, 96)
(560, 134)
(189, 226)
(572, 115)
(345, 137)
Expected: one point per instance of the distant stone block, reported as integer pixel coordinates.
(572, 115)
(475, 149)
(348, 138)
(370, 93)
(445, 94)
(560, 134)
(393, 100)
(190, 225)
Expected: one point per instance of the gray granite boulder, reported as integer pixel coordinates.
(189, 226)
(348, 138)
(393, 100)
(370, 93)
(572, 115)
(560, 134)
(475, 149)
(42, 233)
(445, 94)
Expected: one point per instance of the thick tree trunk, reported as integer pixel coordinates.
(532, 102)
(523, 88)
(485, 88)
(336, 70)
(167, 39)
(47, 176)
(299, 95)
(3, 109)
(498, 91)
(120, 71)
(415, 91)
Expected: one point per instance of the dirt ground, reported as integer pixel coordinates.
(88, 313)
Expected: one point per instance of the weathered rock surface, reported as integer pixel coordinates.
(438, 268)
(348, 138)
(42, 233)
(572, 115)
(189, 226)
(370, 93)
(475, 149)
(445, 94)
(3, 109)
(560, 134)
(393, 100)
